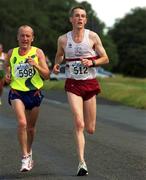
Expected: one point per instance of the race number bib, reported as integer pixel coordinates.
(78, 70)
(23, 70)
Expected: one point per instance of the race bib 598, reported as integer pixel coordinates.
(23, 70)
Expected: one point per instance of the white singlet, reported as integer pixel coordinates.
(2, 58)
(74, 52)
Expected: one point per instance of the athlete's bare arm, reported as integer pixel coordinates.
(42, 65)
(60, 53)
(7, 67)
(103, 58)
(95, 42)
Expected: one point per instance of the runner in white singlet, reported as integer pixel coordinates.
(2, 71)
(83, 51)
(74, 53)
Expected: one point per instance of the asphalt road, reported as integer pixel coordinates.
(117, 150)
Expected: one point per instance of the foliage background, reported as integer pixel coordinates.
(125, 42)
(49, 19)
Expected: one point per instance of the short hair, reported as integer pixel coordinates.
(71, 12)
(25, 26)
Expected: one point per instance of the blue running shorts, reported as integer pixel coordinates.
(30, 99)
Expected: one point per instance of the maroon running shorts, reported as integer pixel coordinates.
(84, 88)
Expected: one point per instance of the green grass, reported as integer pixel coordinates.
(49, 85)
(126, 90)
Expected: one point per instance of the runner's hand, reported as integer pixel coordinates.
(56, 69)
(87, 62)
(7, 79)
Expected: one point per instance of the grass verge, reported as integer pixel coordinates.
(126, 90)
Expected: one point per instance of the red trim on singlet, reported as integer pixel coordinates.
(80, 59)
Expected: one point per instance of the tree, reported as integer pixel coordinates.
(48, 18)
(95, 24)
(130, 37)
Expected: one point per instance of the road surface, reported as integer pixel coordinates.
(117, 150)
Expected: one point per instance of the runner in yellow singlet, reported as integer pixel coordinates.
(28, 69)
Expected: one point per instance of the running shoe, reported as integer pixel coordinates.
(82, 169)
(27, 164)
(31, 160)
(30, 155)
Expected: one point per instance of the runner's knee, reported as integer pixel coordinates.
(79, 125)
(90, 130)
(31, 130)
(22, 125)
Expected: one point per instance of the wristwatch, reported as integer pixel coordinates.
(93, 63)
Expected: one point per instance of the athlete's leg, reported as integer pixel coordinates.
(19, 109)
(2, 75)
(32, 116)
(76, 104)
(1, 86)
(90, 114)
